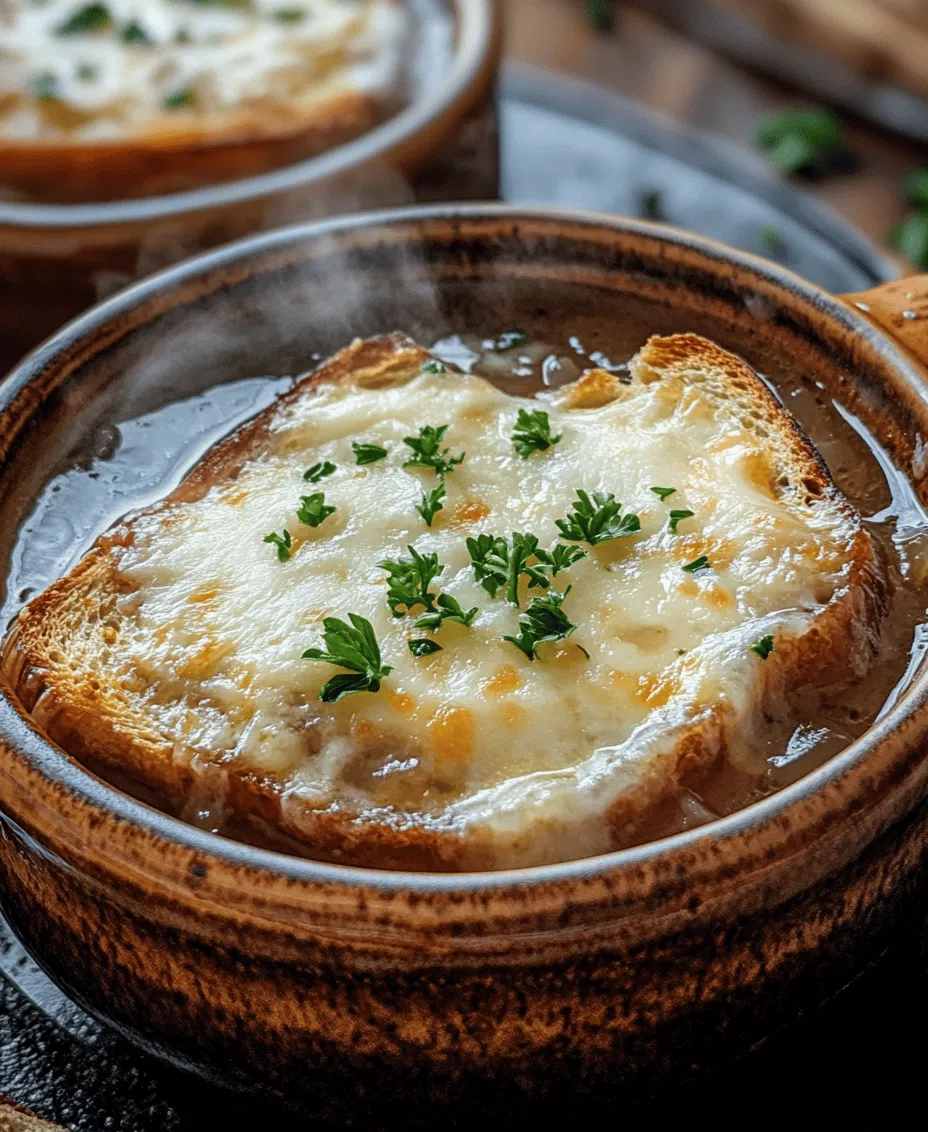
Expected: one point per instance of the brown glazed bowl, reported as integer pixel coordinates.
(317, 982)
(57, 260)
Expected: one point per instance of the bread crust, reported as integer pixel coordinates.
(48, 659)
(183, 155)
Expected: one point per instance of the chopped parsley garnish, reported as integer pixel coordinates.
(179, 99)
(910, 236)
(353, 647)
(597, 520)
(544, 620)
(562, 557)
(677, 517)
(368, 453)
(424, 647)
(663, 492)
(134, 33)
(87, 72)
(44, 87)
(497, 563)
(532, 433)
(701, 563)
(764, 647)
(805, 140)
(428, 453)
(434, 366)
(314, 510)
(283, 542)
(771, 241)
(409, 580)
(92, 17)
(318, 472)
(289, 15)
(449, 609)
(431, 503)
(510, 340)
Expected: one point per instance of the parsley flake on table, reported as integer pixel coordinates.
(353, 647)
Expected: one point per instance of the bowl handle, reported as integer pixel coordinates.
(901, 309)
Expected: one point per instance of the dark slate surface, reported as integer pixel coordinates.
(568, 144)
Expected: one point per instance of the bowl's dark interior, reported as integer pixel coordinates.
(91, 434)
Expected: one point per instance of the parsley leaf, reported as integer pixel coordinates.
(45, 88)
(597, 520)
(423, 647)
(497, 563)
(290, 15)
(807, 140)
(532, 433)
(510, 340)
(663, 492)
(409, 580)
(652, 202)
(544, 620)
(449, 609)
(701, 563)
(353, 647)
(434, 366)
(764, 647)
(318, 472)
(431, 503)
(562, 557)
(368, 453)
(282, 542)
(427, 453)
(677, 517)
(314, 510)
(92, 17)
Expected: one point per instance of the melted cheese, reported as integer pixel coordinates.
(475, 737)
(199, 60)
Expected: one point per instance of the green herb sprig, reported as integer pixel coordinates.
(313, 509)
(409, 580)
(677, 517)
(664, 492)
(318, 472)
(808, 140)
(431, 503)
(597, 519)
(448, 609)
(764, 647)
(353, 647)
(134, 33)
(694, 567)
(497, 563)
(423, 647)
(910, 237)
(368, 453)
(434, 366)
(533, 433)
(544, 620)
(283, 542)
(428, 453)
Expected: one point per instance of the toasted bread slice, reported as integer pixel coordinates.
(171, 658)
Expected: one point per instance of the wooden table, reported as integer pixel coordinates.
(643, 58)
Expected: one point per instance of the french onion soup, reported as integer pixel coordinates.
(79, 81)
(406, 618)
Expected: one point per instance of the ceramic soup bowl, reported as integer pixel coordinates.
(310, 980)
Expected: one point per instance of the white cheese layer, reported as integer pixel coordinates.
(476, 736)
(127, 67)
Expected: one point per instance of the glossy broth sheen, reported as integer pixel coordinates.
(125, 467)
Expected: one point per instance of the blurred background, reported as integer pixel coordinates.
(728, 66)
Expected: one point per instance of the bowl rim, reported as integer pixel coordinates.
(477, 35)
(53, 764)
